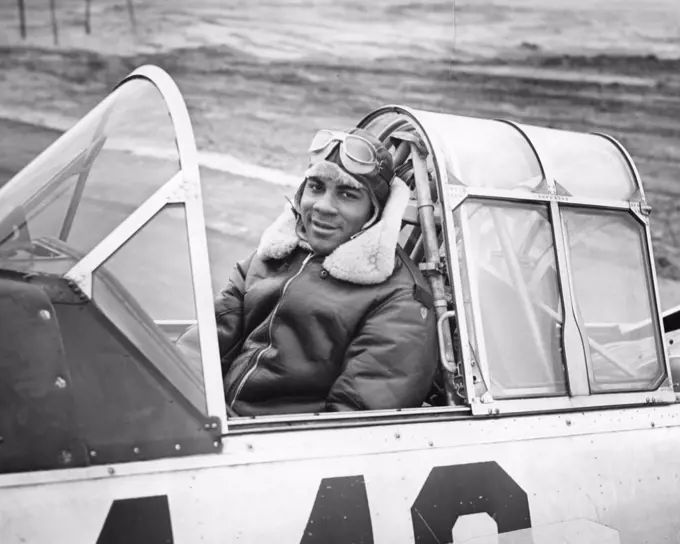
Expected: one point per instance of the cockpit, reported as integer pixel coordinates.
(536, 242)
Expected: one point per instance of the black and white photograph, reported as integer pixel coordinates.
(339, 271)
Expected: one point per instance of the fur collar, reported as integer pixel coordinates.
(365, 259)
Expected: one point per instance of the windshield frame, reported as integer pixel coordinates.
(183, 188)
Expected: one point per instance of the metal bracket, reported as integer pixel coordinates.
(431, 267)
(559, 189)
(457, 195)
(544, 187)
(637, 196)
(642, 211)
(446, 357)
(81, 283)
(214, 427)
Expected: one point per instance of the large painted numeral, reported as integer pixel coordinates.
(142, 520)
(340, 513)
(458, 490)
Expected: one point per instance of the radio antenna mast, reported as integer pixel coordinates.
(55, 26)
(88, 28)
(21, 4)
(22, 18)
(131, 14)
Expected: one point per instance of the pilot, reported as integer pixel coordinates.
(328, 314)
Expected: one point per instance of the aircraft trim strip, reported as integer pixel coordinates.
(248, 448)
(461, 192)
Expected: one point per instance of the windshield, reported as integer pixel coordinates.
(614, 298)
(512, 165)
(111, 222)
(89, 181)
(511, 275)
(586, 165)
(515, 308)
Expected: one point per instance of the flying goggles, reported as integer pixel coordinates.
(357, 154)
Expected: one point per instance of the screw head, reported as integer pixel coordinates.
(65, 457)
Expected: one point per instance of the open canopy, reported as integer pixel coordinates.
(548, 246)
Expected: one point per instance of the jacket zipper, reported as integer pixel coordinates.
(250, 371)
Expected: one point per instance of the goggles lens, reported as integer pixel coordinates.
(356, 153)
(321, 140)
(359, 149)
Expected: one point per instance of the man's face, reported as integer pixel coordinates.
(333, 212)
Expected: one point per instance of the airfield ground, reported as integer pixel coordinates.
(257, 95)
(644, 115)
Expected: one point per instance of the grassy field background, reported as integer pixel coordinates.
(260, 76)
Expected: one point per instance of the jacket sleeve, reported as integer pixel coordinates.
(229, 313)
(228, 316)
(392, 360)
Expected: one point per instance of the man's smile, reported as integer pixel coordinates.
(322, 227)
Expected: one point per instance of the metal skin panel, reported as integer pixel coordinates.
(618, 469)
